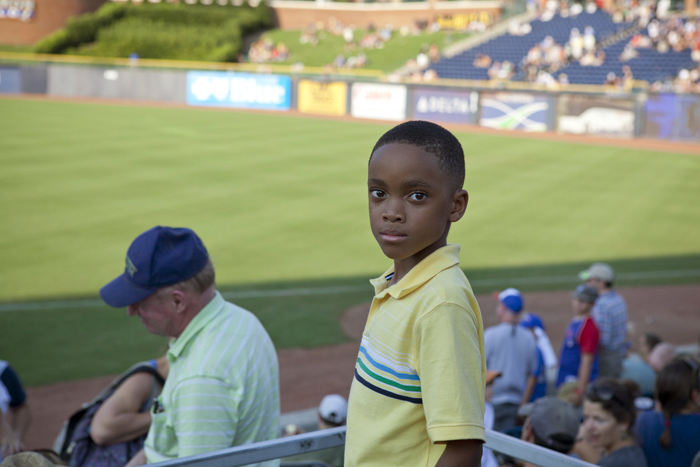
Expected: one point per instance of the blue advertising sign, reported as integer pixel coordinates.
(445, 106)
(514, 111)
(10, 81)
(672, 116)
(227, 89)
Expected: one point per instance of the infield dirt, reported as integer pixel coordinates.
(306, 375)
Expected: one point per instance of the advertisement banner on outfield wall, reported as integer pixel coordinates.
(515, 111)
(378, 101)
(672, 116)
(10, 80)
(321, 97)
(227, 89)
(596, 115)
(445, 106)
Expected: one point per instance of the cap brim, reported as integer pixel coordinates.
(120, 293)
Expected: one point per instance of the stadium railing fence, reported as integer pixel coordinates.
(325, 439)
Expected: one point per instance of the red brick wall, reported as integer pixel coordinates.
(49, 16)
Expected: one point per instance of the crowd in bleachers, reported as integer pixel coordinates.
(585, 45)
(610, 398)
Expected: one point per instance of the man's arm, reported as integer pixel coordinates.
(529, 389)
(138, 459)
(461, 453)
(119, 418)
(584, 375)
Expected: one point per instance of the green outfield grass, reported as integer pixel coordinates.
(281, 203)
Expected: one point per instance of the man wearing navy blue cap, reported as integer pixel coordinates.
(223, 385)
(510, 349)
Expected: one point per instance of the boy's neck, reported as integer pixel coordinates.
(404, 266)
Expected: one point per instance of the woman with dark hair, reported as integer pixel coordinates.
(672, 437)
(608, 417)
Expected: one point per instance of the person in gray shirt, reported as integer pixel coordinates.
(511, 350)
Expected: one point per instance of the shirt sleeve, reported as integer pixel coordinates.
(451, 368)
(205, 416)
(589, 337)
(14, 387)
(601, 315)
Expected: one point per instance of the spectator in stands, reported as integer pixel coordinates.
(512, 351)
(579, 350)
(551, 423)
(609, 414)
(610, 315)
(534, 323)
(589, 39)
(628, 53)
(646, 344)
(661, 355)
(482, 61)
(636, 368)
(125, 415)
(332, 413)
(15, 415)
(576, 43)
(222, 389)
(670, 437)
(415, 178)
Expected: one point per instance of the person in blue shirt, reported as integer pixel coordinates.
(671, 437)
(531, 322)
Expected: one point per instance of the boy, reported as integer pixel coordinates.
(579, 351)
(418, 393)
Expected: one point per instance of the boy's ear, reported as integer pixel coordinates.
(460, 199)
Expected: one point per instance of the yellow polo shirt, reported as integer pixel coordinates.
(420, 373)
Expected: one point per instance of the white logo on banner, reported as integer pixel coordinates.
(443, 105)
(238, 89)
(378, 101)
(599, 120)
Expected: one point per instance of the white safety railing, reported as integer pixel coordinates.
(324, 439)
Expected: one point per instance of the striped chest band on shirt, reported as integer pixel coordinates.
(387, 377)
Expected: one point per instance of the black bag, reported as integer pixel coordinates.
(74, 443)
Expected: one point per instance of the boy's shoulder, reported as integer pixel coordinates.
(449, 286)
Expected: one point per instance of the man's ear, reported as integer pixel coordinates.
(460, 199)
(179, 299)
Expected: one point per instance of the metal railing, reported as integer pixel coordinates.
(324, 439)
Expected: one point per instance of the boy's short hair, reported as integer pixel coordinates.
(433, 139)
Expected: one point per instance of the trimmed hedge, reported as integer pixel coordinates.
(166, 31)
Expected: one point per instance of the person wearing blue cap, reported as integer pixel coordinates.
(223, 385)
(511, 350)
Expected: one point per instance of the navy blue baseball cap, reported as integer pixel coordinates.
(159, 257)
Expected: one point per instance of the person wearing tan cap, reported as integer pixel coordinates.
(610, 315)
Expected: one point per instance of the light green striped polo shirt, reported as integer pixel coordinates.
(222, 389)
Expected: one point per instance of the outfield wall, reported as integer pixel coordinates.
(661, 116)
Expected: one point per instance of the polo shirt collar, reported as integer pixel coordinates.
(205, 315)
(437, 261)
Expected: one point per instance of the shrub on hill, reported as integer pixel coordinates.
(167, 31)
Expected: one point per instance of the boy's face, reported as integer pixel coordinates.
(411, 203)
